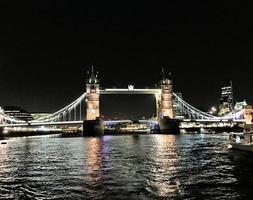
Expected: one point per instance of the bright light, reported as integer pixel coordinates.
(213, 109)
(5, 131)
(130, 87)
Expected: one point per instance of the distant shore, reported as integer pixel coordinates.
(113, 133)
(27, 134)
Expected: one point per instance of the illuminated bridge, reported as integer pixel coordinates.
(165, 99)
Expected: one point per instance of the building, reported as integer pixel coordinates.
(18, 113)
(40, 115)
(226, 101)
(92, 96)
(240, 105)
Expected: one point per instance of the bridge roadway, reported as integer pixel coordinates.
(130, 91)
(113, 121)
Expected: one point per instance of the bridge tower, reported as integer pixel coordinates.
(92, 95)
(165, 101)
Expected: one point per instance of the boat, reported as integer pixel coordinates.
(241, 141)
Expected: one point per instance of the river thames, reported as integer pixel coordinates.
(194, 166)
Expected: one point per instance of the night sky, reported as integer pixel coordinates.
(46, 47)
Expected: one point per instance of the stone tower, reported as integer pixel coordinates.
(92, 95)
(165, 102)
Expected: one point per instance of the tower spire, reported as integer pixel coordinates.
(163, 76)
(92, 79)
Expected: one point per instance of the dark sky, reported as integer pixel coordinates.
(47, 46)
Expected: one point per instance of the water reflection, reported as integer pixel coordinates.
(163, 181)
(93, 174)
(243, 172)
(124, 167)
(3, 156)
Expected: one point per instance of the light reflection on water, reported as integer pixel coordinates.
(124, 167)
(3, 157)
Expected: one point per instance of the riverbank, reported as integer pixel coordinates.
(217, 130)
(27, 134)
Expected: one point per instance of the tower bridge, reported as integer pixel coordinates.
(72, 114)
(163, 96)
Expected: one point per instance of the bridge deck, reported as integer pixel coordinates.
(130, 91)
(116, 121)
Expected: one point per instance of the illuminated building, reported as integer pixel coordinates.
(92, 96)
(165, 101)
(17, 113)
(39, 115)
(240, 105)
(226, 102)
(248, 114)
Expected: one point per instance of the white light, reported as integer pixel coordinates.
(130, 87)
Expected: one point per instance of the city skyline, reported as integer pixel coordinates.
(38, 106)
(126, 100)
(47, 47)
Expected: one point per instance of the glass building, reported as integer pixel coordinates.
(17, 113)
(226, 101)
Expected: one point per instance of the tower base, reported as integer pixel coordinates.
(93, 127)
(169, 126)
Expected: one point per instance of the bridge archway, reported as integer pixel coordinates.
(163, 95)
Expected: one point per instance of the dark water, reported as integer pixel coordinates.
(125, 167)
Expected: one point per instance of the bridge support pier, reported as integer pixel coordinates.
(92, 125)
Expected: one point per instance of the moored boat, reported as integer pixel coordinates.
(241, 141)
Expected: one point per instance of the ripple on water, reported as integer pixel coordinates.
(125, 167)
